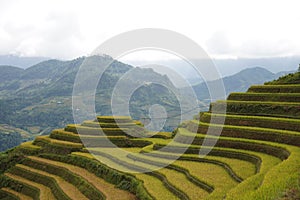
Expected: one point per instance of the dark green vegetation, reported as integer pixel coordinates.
(10, 140)
(39, 98)
(11, 137)
(257, 156)
(289, 79)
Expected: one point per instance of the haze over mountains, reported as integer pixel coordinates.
(38, 99)
(240, 81)
(20, 61)
(228, 67)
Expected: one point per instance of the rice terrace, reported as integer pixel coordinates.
(149, 100)
(256, 157)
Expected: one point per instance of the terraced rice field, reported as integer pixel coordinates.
(256, 156)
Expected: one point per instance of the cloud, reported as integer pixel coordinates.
(49, 33)
(220, 45)
(66, 29)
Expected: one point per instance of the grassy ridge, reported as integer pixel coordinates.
(20, 187)
(238, 169)
(256, 133)
(254, 121)
(95, 131)
(277, 97)
(15, 195)
(108, 125)
(4, 195)
(287, 177)
(122, 180)
(84, 187)
(113, 119)
(257, 108)
(252, 183)
(288, 79)
(288, 88)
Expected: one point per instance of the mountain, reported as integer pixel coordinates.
(39, 98)
(20, 61)
(228, 67)
(244, 148)
(9, 73)
(239, 82)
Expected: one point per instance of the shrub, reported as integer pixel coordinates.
(7, 196)
(42, 179)
(275, 88)
(254, 121)
(122, 180)
(84, 187)
(278, 97)
(274, 135)
(258, 108)
(20, 187)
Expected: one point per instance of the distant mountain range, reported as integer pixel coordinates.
(20, 61)
(39, 98)
(228, 67)
(239, 82)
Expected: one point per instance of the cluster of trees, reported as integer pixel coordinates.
(9, 140)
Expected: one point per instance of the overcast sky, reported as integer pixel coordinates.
(68, 29)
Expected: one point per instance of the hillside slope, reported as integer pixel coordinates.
(40, 96)
(239, 82)
(256, 156)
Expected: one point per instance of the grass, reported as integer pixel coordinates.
(62, 143)
(30, 145)
(45, 192)
(180, 181)
(266, 134)
(258, 108)
(17, 194)
(268, 187)
(264, 182)
(164, 135)
(133, 165)
(268, 162)
(213, 174)
(84, 130)
(287, 79)
(113, 119)
(156, 188)
(108, 189)
(277, 97)
(108, 125)
(84, 187)
(253, 182)
(120, 179)
(4, 195)
(71, 191)
(288, 88)
(242, 168)
(153, 185)
(254, 121)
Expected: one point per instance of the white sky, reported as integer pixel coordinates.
(68, 29)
